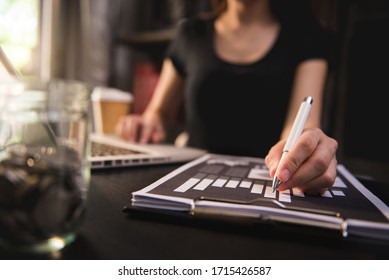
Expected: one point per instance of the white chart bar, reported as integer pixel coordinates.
(187, 185)
(219, 183)
(269, 193)
(257, 188)
(298, 192)
(245, 184)
(232, 184)
(339, 183)
(338, 193)
(203, 184)
(284, 196)
(327, 194)
(260, 174)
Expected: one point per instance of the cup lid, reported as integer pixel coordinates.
(111, 94)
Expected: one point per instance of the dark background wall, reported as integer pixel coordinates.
(355, 107)
(358, 117)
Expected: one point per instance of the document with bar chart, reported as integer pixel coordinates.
(240, 187)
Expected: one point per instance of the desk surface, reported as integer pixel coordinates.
(109, 233)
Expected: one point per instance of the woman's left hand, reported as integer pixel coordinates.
(310, 165)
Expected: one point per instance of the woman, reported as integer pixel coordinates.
(243, 75)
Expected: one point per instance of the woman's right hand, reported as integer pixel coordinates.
(146, 128)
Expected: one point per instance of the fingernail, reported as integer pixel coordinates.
(284, 175)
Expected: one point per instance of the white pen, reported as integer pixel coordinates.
(295, 133)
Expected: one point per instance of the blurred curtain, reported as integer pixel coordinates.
(80, 39)
(76, 39)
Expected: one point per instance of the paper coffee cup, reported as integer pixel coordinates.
(109, 104)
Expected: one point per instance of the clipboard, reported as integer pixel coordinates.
(233, 188)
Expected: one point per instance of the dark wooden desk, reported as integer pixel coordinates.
(108, 233)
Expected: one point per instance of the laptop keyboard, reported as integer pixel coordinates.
(100, 149)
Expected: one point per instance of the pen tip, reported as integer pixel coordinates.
(276, 183)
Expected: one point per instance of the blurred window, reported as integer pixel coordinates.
(19, 25)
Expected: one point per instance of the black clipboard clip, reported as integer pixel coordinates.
(266, 200)
(242, 216)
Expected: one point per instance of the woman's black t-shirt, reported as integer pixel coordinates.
(238, 109)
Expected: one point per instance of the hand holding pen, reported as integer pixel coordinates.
(306, 160)
(295, 132)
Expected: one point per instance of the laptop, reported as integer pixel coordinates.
(109, 151)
